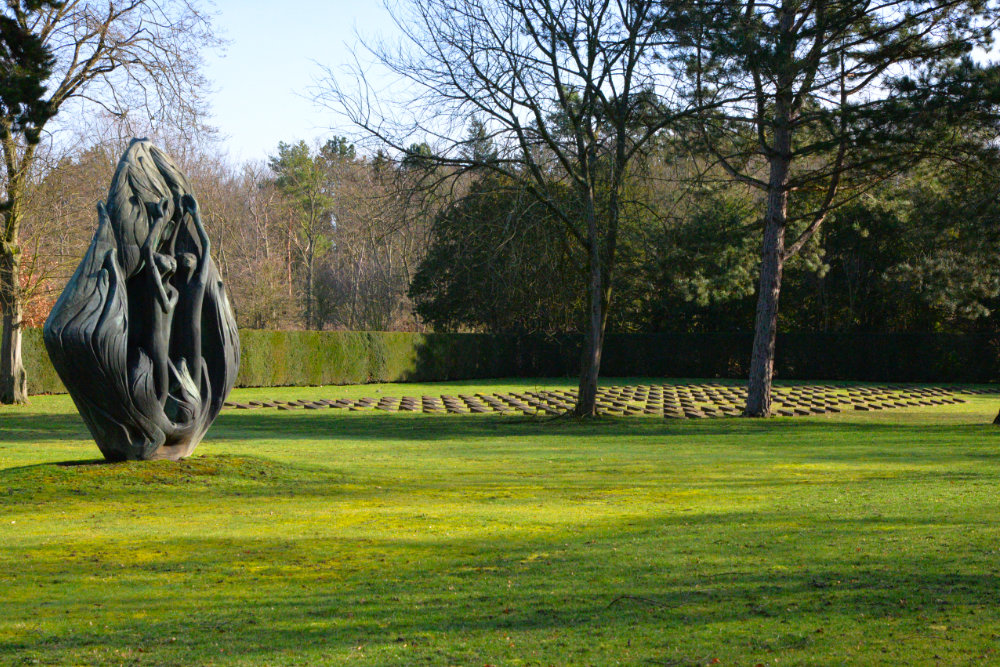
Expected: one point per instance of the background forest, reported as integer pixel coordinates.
(322, 237)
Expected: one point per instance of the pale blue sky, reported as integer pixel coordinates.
(262, 82)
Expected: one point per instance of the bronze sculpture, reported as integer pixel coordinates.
(143, 335)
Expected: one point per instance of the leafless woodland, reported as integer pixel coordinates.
(368, 241)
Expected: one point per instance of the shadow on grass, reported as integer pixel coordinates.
(83, 462)
(311, 594)
(820, 439)
(333, 425)
(39, 427)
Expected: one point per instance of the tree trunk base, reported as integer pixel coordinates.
(13, 378)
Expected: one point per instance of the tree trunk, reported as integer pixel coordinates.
(779, 155)
(309, 287)
(355, 286)
(288, 260)
(772, 264)
(590, 367)
(13, 378)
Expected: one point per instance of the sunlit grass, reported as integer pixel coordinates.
(329, 537)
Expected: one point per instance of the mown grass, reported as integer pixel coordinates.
(328, 537)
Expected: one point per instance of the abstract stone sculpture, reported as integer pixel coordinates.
(143, 336)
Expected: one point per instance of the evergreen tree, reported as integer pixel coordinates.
(805, 102)
(304, 180)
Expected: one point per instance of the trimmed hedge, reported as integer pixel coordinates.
(289, 358)
(42, 377)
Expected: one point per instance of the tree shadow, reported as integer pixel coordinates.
(38, 427)
(334, 424)
(83, 462)
(583, 587)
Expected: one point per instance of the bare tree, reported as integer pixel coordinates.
(379, 238)
(567, 91)
(256, 267)
(127, 57)
(58, 221)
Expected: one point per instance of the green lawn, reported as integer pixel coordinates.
(330, 537)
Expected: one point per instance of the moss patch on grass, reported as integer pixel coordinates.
(223, 473)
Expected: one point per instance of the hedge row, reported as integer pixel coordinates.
(288, 358)
(42, 377)
(301, 358)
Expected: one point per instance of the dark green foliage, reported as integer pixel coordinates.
(338, 148)
(707, 259)
(499, 262)
(951, 249)
(25, 64)
(418, 156)
(479, 148)
(950, 108)
(42, 376)
(281, 358)
(303, 358)
(917, 255)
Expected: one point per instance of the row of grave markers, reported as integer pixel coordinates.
(681, 401)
